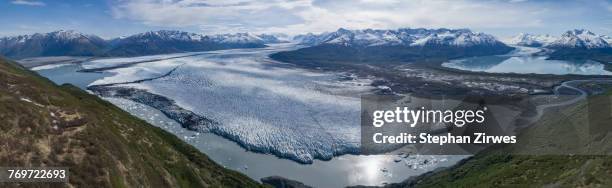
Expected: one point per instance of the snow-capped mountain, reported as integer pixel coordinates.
(580, 38)
(167, 41)
(166, 35)
(273, 38)
(401, 45)
(308, 39)
(580, 44)
(246, 38)
(240, 38)
(72, 43)
(55, 43)
(400, 37)
(231, 38)
(532, 40)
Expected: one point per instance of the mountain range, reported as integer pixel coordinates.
(400, 37)
(58, 43)
(400, 45)
(577, 44)
(72, 43)
(532, 40)
(577, 38)
(405, 44)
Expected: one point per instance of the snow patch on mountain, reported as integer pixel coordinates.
(274, 38)
(608, 39)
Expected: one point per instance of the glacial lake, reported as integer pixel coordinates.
(524, 62)
(68, 74)
(340, 171)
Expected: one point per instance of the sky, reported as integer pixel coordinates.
(113, 18)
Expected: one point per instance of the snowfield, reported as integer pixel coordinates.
(140, 72)
(51, 66)
(263, 105)
(112, 62)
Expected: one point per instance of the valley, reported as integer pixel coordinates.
(148, 91)
(218, 86)
(306, 93)
(292, 109)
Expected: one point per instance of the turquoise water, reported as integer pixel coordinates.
(527, 63)
(69, 74)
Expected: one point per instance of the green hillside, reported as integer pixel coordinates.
(42, 124)
(562, 130)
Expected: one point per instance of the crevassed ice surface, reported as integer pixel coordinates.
(290, 112)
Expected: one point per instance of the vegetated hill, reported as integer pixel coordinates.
(47, 125)
(382, 46)
(573, 128)
(72, 43)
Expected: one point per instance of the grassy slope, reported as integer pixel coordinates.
(496, 168)
(101, 144)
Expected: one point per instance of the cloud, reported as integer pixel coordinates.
(300, 16)
(28, 2)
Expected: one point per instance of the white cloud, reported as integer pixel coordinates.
(300, 16)
(28, 2)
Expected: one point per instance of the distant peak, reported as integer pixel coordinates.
(402, 36)
(61, 31)
(343, 30)
(64, 31)
(580, 38)
(579, 32)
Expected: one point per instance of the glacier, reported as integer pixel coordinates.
(264, 105)
(113, 62)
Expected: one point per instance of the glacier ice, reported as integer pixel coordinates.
(286, 111)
